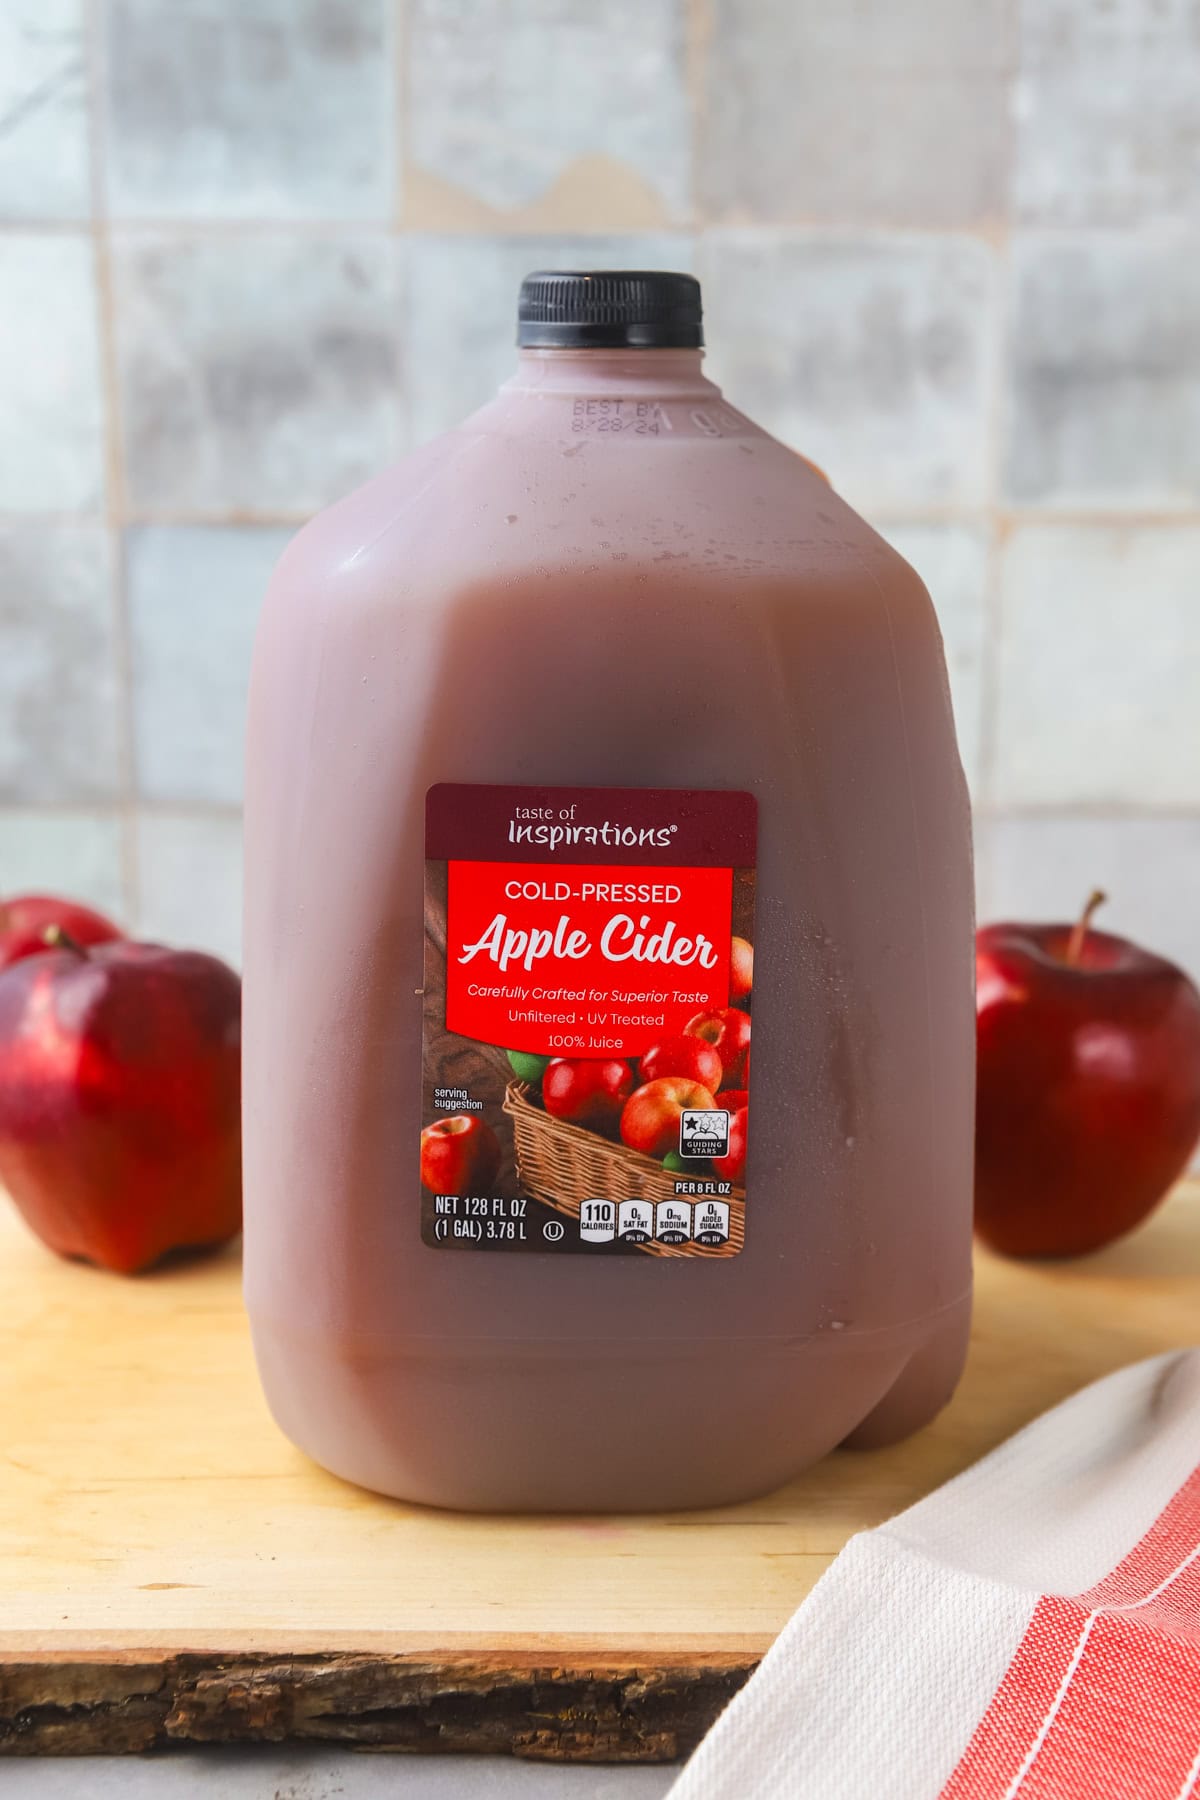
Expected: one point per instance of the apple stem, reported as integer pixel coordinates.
(57, 937)
(1079, 930)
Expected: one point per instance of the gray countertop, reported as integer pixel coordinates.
(274, 1774)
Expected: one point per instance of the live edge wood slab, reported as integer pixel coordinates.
(172, 1570)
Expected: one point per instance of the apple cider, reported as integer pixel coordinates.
(609, 1027)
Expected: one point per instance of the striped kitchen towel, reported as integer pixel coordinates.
(1029, 1632)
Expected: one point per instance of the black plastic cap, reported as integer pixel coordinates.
(601, 309)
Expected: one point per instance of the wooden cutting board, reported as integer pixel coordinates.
(171, 1569)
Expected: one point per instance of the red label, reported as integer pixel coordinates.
(587, 1011)
(576, 959)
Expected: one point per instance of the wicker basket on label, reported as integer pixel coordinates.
(563, 1165)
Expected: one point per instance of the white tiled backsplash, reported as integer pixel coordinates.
(251, 250)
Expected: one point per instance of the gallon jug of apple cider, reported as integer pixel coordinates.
(609, 1031)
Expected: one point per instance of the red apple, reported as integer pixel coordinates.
(587, 1091)
(741, 968)
(731, 1166)
(26, 918)
(728, 1031)
(1089, 1085)
(650, 1121)
(120, 1124)
(459, 1155)
(685, 1055)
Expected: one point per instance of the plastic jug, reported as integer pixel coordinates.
(601, 772)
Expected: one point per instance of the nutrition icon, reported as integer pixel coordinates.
(704, 1133)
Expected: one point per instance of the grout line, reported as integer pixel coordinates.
(698, 35)
(219, 811)
(1001, 526)
(989, 705)
(813, 226)
(998, 374)
(179, 519)
(39, 227)
(130, 873)
(1144, 518)
(1012, 518)
(1095, 812)
(995, 437)
(982, 863)
(213, 811)
(990, 679)
(1012, 79)
(983, 517)
(400, 60)
(402, 412)
(218, 519)
(50, 521)
(815, 230)
(203, 225)
(115, 495)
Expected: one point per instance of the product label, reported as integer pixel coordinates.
(587, 1009)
